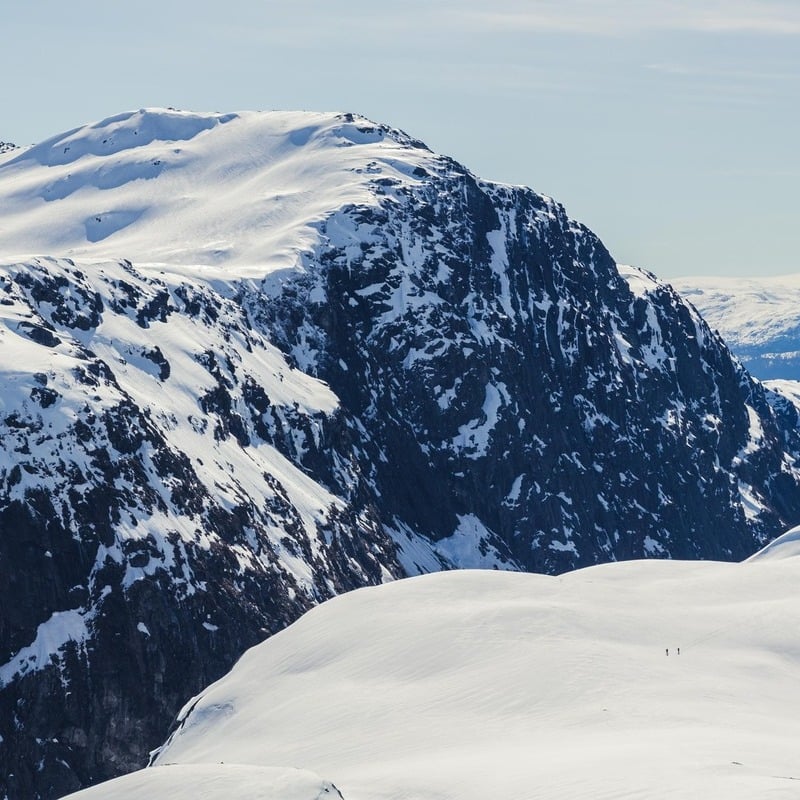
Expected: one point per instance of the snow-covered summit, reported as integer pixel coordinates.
(239, 191)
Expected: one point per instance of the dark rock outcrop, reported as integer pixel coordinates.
(508, 373)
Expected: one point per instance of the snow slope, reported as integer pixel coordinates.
(268, 358)
(468, 685)
(217, 781)
(137, 186)
(787, 545)
(757, 317)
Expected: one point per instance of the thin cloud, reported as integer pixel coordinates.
(622, 17)
(756, 173)
(692, 71)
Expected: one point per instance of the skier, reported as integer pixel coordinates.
(668, 651)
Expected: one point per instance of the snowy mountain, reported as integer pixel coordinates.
(468, 685)
(757, 317)
(250, 361)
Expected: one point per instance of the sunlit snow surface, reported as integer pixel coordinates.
(216, 782)
(746, 310)
(473, 685)
(785, 546)
(137, 187)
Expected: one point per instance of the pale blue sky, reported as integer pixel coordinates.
(670, 127)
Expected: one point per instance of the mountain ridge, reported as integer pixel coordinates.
(757, 317)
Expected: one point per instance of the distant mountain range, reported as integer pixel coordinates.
(251, 361)
(759, 318)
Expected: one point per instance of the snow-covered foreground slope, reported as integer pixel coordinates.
(217, 782)
(759, 318)
(787, 545)
(471, 685)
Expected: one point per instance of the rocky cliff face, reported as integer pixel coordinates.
(167, 488)
(352, 361)
(538, 402)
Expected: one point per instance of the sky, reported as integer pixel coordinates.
(669, 127)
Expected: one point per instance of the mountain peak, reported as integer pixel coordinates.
(125, 131)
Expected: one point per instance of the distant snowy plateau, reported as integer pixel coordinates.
(759, 318)
(253, 361)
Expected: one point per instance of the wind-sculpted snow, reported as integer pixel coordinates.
(236, 191)
(270, 357)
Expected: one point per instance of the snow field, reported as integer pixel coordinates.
(137, 185)
(214, 782)
(480, 684)
(747, 311)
